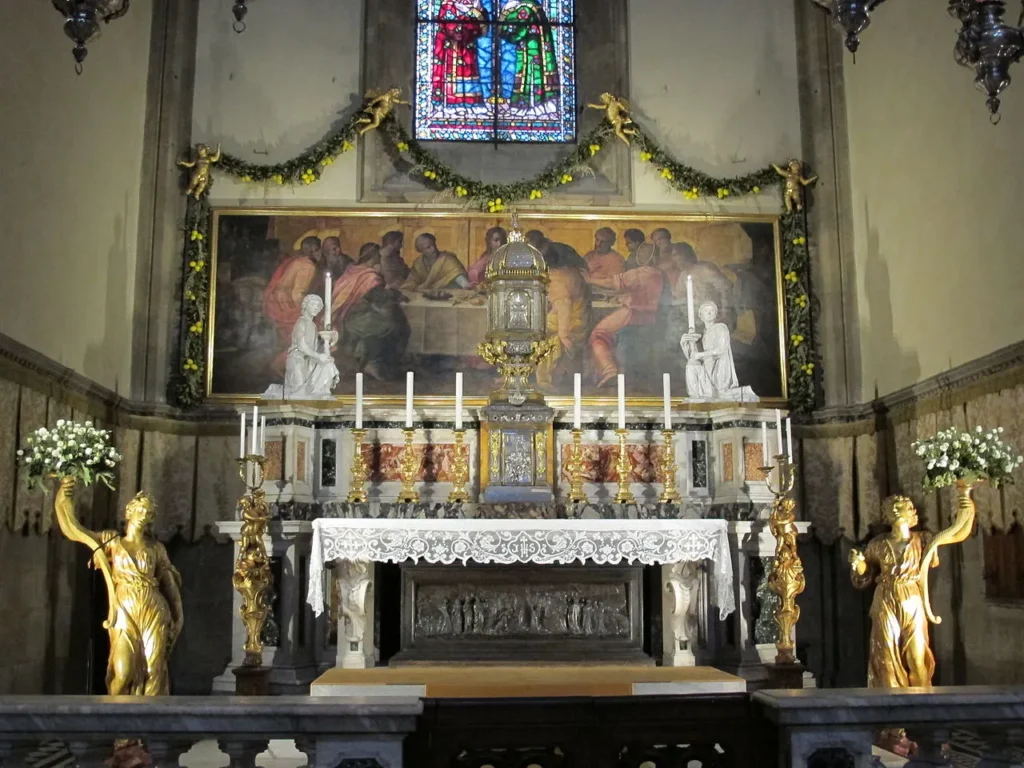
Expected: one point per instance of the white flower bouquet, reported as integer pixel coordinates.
(970, 457)
(70, 450)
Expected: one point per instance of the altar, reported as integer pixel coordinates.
(580, 615)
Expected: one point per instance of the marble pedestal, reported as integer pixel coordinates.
(293, 662)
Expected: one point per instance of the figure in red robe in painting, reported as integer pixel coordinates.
(455, 78)
(288, 286)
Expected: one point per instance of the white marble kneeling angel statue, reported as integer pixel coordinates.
(710, 369)
(309, 374)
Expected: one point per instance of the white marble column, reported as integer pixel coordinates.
(680, 600)
(355, 614)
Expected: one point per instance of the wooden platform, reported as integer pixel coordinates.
(477, 682)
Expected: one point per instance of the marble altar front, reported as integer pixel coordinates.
(718, 455)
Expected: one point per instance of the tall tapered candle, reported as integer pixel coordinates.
(327, 300)
(689, 303)
(359, 401)
(764, 445)
(622, 401)
(408, 400)
(255, 426)
(263, 434)
(241, 436)
(778, 429)
(667, 386)
(458, 400)
(789, 438)
(577, 397)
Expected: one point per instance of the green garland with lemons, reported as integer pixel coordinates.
(308, 167)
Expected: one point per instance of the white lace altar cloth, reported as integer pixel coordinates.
(650, 542)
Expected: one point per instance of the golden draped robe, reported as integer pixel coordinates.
(568, 316)
(899, 653)
(441, 274)
(140, 637)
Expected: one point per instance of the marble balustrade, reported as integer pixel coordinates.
(333, 732)
(837, 727)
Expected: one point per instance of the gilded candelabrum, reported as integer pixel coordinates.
(669, 494)
(410, 469)
(360, 472)
(252, 578)
(460, 469)
(575, 469)
(625, 470)
(787, 577)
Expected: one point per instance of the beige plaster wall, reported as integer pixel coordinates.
(71, 153)
(278, 87)
(937, 224)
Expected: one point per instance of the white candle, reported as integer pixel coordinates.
(778, 429)
(327, 300)
(359, 401)
(789, 438)
(765, 462)
(241, 437)
(667, 386)
(622, 401)
(689, 303)
(458, 400)
(263, 435)
(255, 424)
(577, 394)
(408, 400)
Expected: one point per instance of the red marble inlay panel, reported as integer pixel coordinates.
(599, 463)
(385, 462)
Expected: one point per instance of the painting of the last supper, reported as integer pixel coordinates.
(638, 294)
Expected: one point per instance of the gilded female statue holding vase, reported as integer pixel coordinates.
(898, 562)
(145, 613)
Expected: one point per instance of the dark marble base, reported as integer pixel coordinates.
(252, 681)
(784, 676)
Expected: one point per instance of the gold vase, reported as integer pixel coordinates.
(959, 530)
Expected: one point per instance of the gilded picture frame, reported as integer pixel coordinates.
(260, 271)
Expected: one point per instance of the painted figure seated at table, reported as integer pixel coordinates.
(496, 237)
(710, 369)
(435, 269)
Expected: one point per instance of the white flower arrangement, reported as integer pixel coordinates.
(70, 450)
(972, 457)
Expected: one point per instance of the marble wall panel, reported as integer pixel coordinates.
(129, 444)
(168, 475)
(1011, 407)
(8, 446)
(218, 484)
(872, 484)
(599, 463)
(828, 486)
(28, 505)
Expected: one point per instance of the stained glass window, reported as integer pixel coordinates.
(495, 70)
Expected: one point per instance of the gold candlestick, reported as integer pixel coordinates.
(360, 472)
(622, 465)
(787, 577)
(252, 577)
(669, 494)
(410, 469)
(460, 469)
(575, 467)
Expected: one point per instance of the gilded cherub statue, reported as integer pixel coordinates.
(378, 108)
(899, 652)
(143, 592)
(616, 112)
(795, 182)
(199, 181)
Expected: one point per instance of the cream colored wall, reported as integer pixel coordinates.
(71, 153)
(280, 85)
(936, 204)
